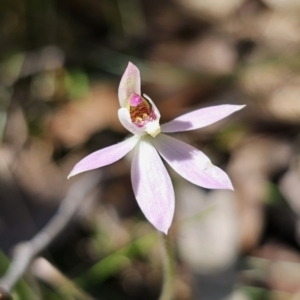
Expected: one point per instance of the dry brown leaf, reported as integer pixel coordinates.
(76, 121)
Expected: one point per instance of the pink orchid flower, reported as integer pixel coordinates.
(151, 182)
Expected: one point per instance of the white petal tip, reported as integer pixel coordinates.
(131, 67)
(165, 231)
(239, 107)
(230, 188)
(71, 175)
(164, 228)
(225, 186)
(228, 185)
(74, 172)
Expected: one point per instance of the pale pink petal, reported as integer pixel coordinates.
(104, 156)
(191, 163)
(152, 186)
(200, 118)
(125, 120)
(154, 108)
(130, 83)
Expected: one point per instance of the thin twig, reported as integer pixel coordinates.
(25, 252)
(45, 271)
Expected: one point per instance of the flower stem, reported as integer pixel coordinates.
(168, 268)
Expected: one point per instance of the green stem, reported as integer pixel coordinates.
(168, 268)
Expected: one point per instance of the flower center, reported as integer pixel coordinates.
(140, 110)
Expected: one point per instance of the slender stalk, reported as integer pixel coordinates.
(168, 268)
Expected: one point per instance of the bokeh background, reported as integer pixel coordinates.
(60, 65)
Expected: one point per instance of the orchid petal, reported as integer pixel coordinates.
(104, 156)
(191, 163)
(153, 127)
(125, 120)
(153, 106)
(130, 83)
(200, 118)
(152, 186)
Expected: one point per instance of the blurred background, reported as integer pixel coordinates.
(60, 66)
